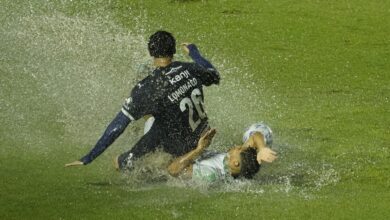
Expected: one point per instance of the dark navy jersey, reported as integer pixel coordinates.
(174, 96)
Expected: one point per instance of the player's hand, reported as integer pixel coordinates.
(266, 154)
(116, 162)
(206, 139)
(74, 163)
(184, 46)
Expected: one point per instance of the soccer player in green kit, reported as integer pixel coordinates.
(239, 161)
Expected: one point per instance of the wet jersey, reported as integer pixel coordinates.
(174, 96)
(211, 167)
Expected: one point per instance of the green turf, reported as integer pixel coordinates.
(316, 71)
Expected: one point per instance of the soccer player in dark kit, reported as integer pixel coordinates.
(173, 95)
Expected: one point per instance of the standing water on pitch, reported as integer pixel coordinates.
(75, 71)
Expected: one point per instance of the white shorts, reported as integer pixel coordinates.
(148, 124)
(263, 129)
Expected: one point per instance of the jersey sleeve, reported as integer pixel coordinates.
(112, 132)
(262, 128)
(203, 68)
(208, 76)
(141, 102)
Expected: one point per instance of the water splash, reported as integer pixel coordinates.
(78, 69)
(74, 71)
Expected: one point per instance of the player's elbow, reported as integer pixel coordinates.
(174, 170)
(214, 75)
(217, 77)
(212, 78)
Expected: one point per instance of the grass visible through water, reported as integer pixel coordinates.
(316, 72)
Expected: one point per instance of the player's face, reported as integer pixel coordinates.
(235, 159)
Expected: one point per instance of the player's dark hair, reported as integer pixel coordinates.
(162, 44)
(249, 164)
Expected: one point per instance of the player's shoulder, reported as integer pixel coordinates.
(144, 85)
(154, 84)
(145, 82)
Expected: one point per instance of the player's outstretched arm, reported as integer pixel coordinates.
(183, 162)
(207, 72)
(256, 140)
(112, 132)
(193, 51)
(264, 153)
(74, 163)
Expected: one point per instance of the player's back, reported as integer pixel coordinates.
(181, 111)
(174, 96)
(181, 104)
